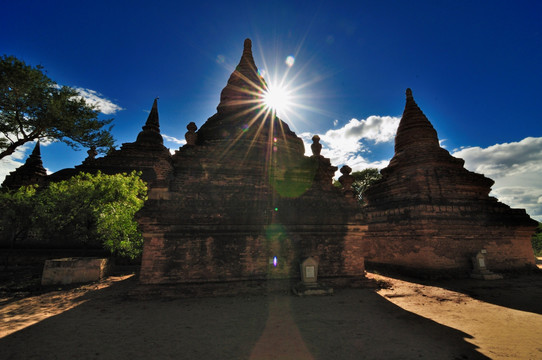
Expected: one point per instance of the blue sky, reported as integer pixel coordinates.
(475, 68)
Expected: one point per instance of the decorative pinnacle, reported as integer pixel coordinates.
(409, 93)
(37, 151)
(152, 120)
(247, 44)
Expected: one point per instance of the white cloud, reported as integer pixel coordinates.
(173, 139)
(344, 145)
(102, 104)
(516, 168)
(18, 158)
(376, 128)
(12, 162)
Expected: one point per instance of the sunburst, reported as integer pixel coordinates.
(278, 99)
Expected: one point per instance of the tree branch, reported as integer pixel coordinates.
(11, 148)
(18, 120)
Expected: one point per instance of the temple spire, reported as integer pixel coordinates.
(244, 83)
(152, 120)
(414, 127)
(150, 135)
(37, 151)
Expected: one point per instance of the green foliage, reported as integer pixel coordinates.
(86, 209)
(363, 179)
(33, 107)
(536, 240)
(16, 208)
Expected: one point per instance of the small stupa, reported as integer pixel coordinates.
(430, 214)
(31, 172)
(147, 154)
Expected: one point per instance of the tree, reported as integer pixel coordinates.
(85, 210)
(537, 240)
(93, 209)
(363, 179)
(33, 107)
(16, 215)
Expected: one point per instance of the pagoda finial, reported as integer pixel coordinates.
(152, 120)
(248, 44)
(151, 129)
(37, 149)
(414, 129)
(243, 83)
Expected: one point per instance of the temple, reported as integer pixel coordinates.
(244, 203)
(430, 214)
(241, 201)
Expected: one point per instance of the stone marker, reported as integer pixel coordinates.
(309, 272)
(309, 280)
(480, 271)
(74, 270)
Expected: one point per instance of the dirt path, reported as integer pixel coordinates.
(465, 319)
(503, 321)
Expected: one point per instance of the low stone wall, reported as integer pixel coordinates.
(74, 270)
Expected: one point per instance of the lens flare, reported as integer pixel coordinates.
(275, 261)
(290, 60)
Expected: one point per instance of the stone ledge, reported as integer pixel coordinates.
(74, 270)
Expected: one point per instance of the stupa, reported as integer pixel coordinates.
(31, 172)
(428, 214)
(244, 202)
(147, 155)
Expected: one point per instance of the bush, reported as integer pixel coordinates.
(86, 210)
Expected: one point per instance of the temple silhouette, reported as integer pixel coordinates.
(241, 201)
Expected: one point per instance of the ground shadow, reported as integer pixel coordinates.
(353, 324)
(519, 291)
(108, 324)
(360, 324)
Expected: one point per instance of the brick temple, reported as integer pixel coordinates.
(430, 214)
(244, 202)
(241, 201)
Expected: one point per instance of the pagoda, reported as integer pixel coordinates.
(147, 155)
(244, 202)
(430, 215)
(31, 172)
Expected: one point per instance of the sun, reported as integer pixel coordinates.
(277, 99)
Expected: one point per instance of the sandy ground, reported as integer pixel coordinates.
(393, 319)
